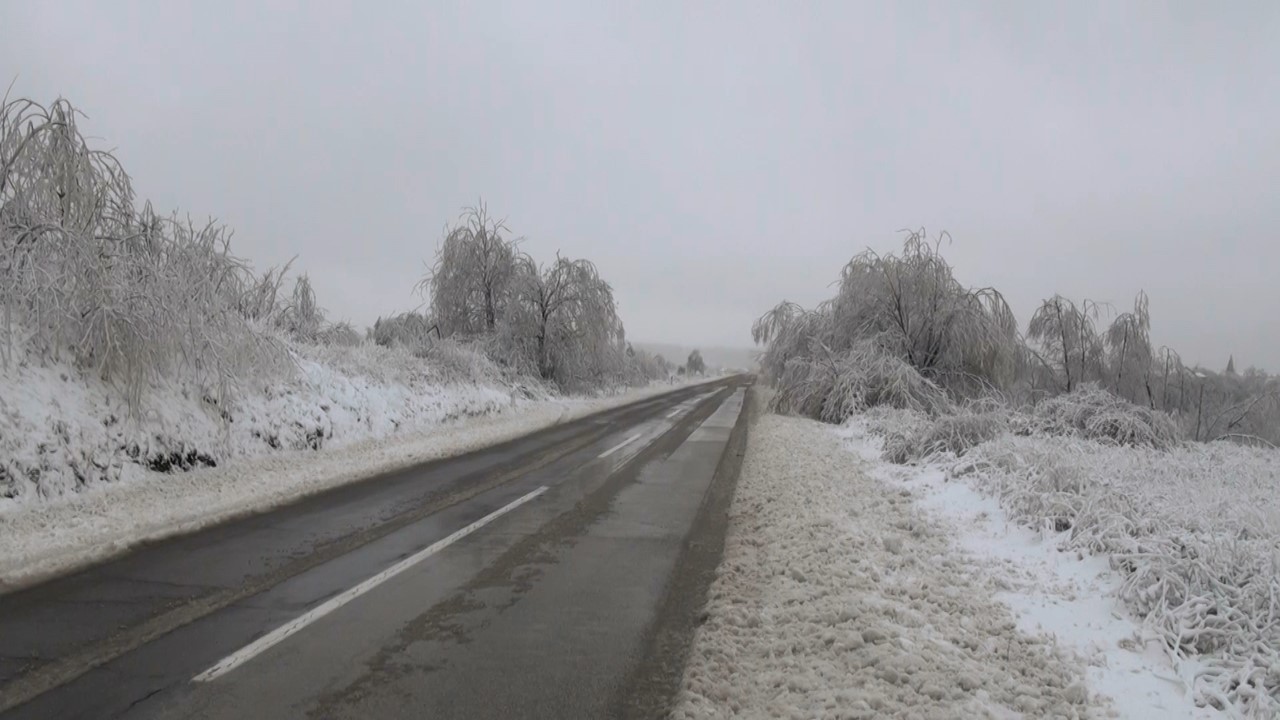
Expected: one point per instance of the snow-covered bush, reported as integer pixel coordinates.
(302, 317)
(409, 329)
(834, 387)
(1093, 413)
(454, 362)
(953, 434)
(1194, 529)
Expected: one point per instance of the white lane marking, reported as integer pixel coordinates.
(248, 652)
(675, 412)
(619, 446)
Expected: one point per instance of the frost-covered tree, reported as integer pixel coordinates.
(302, 317)
(562, 323)
(911, 303)
(1168, 364)
(1130, 356)
(644, 367)
(129, 294)
(1068, 340)
(695, 363)
(472, 280)
(898, 331)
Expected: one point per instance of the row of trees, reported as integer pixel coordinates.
(556, 320)
(905, 319)
(1070, 348)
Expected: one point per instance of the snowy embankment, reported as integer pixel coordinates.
(82, 480)
(839, 597)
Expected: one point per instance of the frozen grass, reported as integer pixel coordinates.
(837, 599)
(1193, 530)
(62, 532)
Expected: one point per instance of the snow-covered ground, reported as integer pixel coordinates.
(839, 598)
(852, 588)
(79, 470)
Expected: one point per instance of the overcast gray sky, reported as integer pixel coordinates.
(711, 158)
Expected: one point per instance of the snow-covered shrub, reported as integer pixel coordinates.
(454, 362)
(1093, 413)
(835, 387)
(953, 434)
(1195, 530)
(641, 367)
(341, 333)
(408, 329)
(302, 317)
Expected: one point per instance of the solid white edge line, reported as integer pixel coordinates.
(248, 652)
(619, 446)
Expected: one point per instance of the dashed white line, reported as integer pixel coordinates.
(675, 412)
(248, 652)
(619, 446)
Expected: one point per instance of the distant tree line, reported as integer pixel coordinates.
(556, 320)
(902, 331)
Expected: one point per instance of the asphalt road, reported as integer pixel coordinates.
(558, 575)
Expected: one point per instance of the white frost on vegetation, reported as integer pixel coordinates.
(1072, 595)
(63, 431)
(1191, 535)
(837, 598)
(349, 413)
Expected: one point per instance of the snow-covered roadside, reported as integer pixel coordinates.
(1068, 595)
(838, 597)
(61, 533)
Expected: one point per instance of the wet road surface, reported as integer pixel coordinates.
(532, 579)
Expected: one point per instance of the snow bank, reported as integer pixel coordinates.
(836, 598)
(349, 413)
(1190, 536)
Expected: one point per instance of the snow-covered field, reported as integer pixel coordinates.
(347, 414)
(851, 587)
